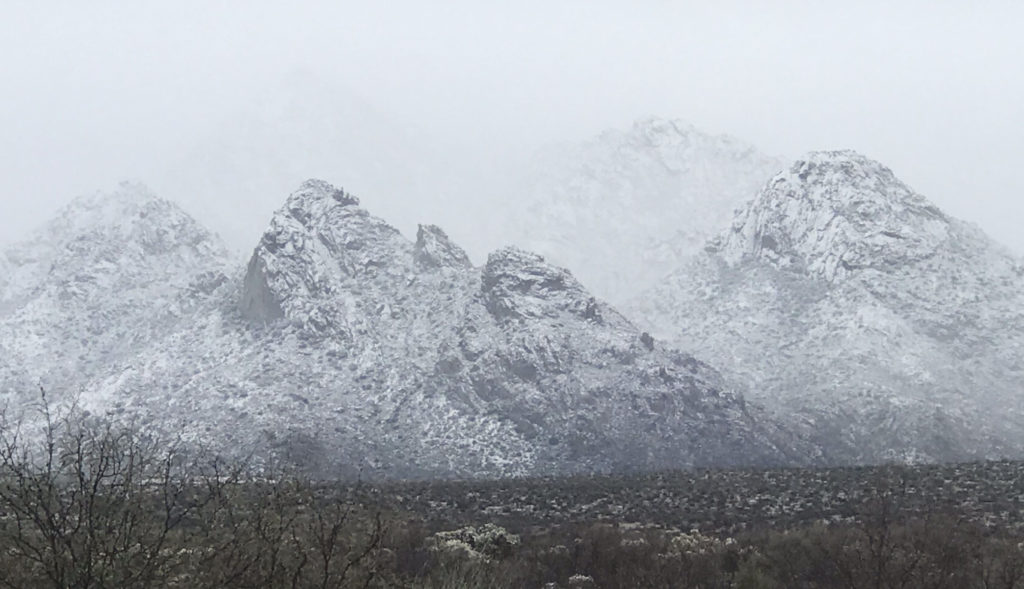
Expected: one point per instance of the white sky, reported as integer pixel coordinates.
(226, 106)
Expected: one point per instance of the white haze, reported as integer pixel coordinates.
(421, 107)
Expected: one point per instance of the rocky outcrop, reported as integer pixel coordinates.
(833, 213)
(319, 243)
(519, 285)
(433, 249)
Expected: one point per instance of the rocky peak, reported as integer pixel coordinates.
(522, 285)
(435, 250)
(129, 232)
(107, 274)
(131, 212)
(833, 213)
(314, 200)
(656, 131)
(318, 241)
(844, 298)
(683, 148)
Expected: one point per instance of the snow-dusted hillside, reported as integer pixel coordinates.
(343, 346)
(625, 208)
(841, 297)
(109, 274)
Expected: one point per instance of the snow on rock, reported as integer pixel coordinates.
(521, 285)
(833, 213)
(846, 302)
(348, 350)
(320, 240)
(105, 277)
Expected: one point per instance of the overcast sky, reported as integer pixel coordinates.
(226, 106)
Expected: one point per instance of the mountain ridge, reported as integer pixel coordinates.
(343, 347)
(841, 297)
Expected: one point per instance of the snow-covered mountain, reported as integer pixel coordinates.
(111, 272)
(344, 346)
(625, 208)
(839, 296)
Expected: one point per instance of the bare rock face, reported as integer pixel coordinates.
(843, 300)
(435, 250)
(349, 350)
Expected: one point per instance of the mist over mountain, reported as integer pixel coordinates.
(850, 304)
(305, 126)
(834, 316)
(626, 207)
(511, 294)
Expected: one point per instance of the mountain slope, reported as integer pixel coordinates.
(110, 273)
(840, 296)
(344, 347)
(624, 209)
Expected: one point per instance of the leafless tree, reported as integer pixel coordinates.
(87, 503)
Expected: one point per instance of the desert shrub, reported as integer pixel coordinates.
(486, 542)
(86, 503)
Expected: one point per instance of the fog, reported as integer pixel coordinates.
(422, 108)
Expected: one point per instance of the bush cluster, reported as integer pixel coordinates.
(89, 504)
